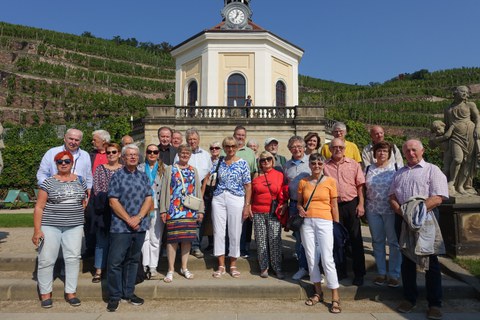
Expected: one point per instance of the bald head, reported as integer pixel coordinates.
(337, 149)
(377, 134)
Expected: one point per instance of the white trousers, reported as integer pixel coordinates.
(227, 209)
(319, 232)
(153, 241)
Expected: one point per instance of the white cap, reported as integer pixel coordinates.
(268, 140)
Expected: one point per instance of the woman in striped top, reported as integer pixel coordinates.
(58, 221)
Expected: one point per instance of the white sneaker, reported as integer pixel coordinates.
(322, 281)
(300, 274)
(155, 275)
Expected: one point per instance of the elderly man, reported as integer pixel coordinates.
(98, 156)
(177, 138)
(82, 165)
(378, 135)
(339, 130)
(271, 145)
(295, 170)
(130, 198)
(200, 159)
(247, 154)
(350, 182)
(167, 151)
(253, 144)
(419, 178)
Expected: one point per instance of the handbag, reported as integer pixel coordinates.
(274, 203)
(212, 182)
(295, 222)
(190, 201)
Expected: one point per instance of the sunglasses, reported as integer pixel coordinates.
(111, 152)
(214, 148)
(266, 159)
(153, 151)
(318, 163)
(62, 161)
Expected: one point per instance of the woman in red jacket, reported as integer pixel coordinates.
(266, 188)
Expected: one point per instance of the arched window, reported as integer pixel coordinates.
(192, 93)
(236, 90)
(280, 94)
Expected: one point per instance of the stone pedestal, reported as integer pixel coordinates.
(460, 225)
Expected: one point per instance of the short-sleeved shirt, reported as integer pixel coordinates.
(294, 171)
(320, 205)
(131, 189)
(424, 180)
(232, 178)
(377, 183)
(351, 151)
(349, 176)
(64, 207)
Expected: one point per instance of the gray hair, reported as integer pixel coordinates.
(294, 139)
(192, 131)
(215, 144)
(130, 146)
(76, 130)
(184, 147)
(104, 135)
(339, 125)
(252, 141)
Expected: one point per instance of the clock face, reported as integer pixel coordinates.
(236, 16)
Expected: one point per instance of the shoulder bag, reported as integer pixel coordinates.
(190, 201)
(295, 222)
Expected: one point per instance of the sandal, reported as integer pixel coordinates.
(187, 274)
(264, 273)
(169, 277)
(234, 272)
(97, 278)
(313, 300)
(335, 307)
(219, 273)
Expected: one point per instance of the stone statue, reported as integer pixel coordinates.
(462, 123)
(2, 146)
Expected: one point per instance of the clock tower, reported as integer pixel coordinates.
(236, 14)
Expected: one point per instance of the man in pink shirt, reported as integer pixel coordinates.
(350, 181)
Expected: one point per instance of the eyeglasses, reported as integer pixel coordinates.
(265, 159)
(230, 146)
(153, 151)
(131, 156)
(296, 147)
(214, 148)
(62, 161)
(318, 163)
(338, 147)
(111, 152)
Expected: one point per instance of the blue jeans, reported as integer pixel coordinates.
(299, 250)
(382, 226)
(101, 249)
(123, 259)
(70, 239)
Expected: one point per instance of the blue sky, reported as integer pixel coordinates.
(351, 41)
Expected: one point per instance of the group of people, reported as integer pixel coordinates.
(178, 195)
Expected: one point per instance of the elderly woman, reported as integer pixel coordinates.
(267, 188)
(215, 148)
(317, 203)
(312, 143)
(103, 213)
(230, 205)
(182, 181)
(155, 169)
(381, 218)
(58, 222)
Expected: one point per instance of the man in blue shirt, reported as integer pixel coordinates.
(130, 198)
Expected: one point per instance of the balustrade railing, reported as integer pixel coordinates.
(235, 112)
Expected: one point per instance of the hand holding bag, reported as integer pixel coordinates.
(274, 204)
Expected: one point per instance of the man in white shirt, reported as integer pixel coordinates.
(378, 135)
(82, 165)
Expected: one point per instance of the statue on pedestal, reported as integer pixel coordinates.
(462, 132)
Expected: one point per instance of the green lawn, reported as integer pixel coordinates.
(472, 265)
(16, 220)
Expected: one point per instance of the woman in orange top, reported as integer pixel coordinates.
(318, 194)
